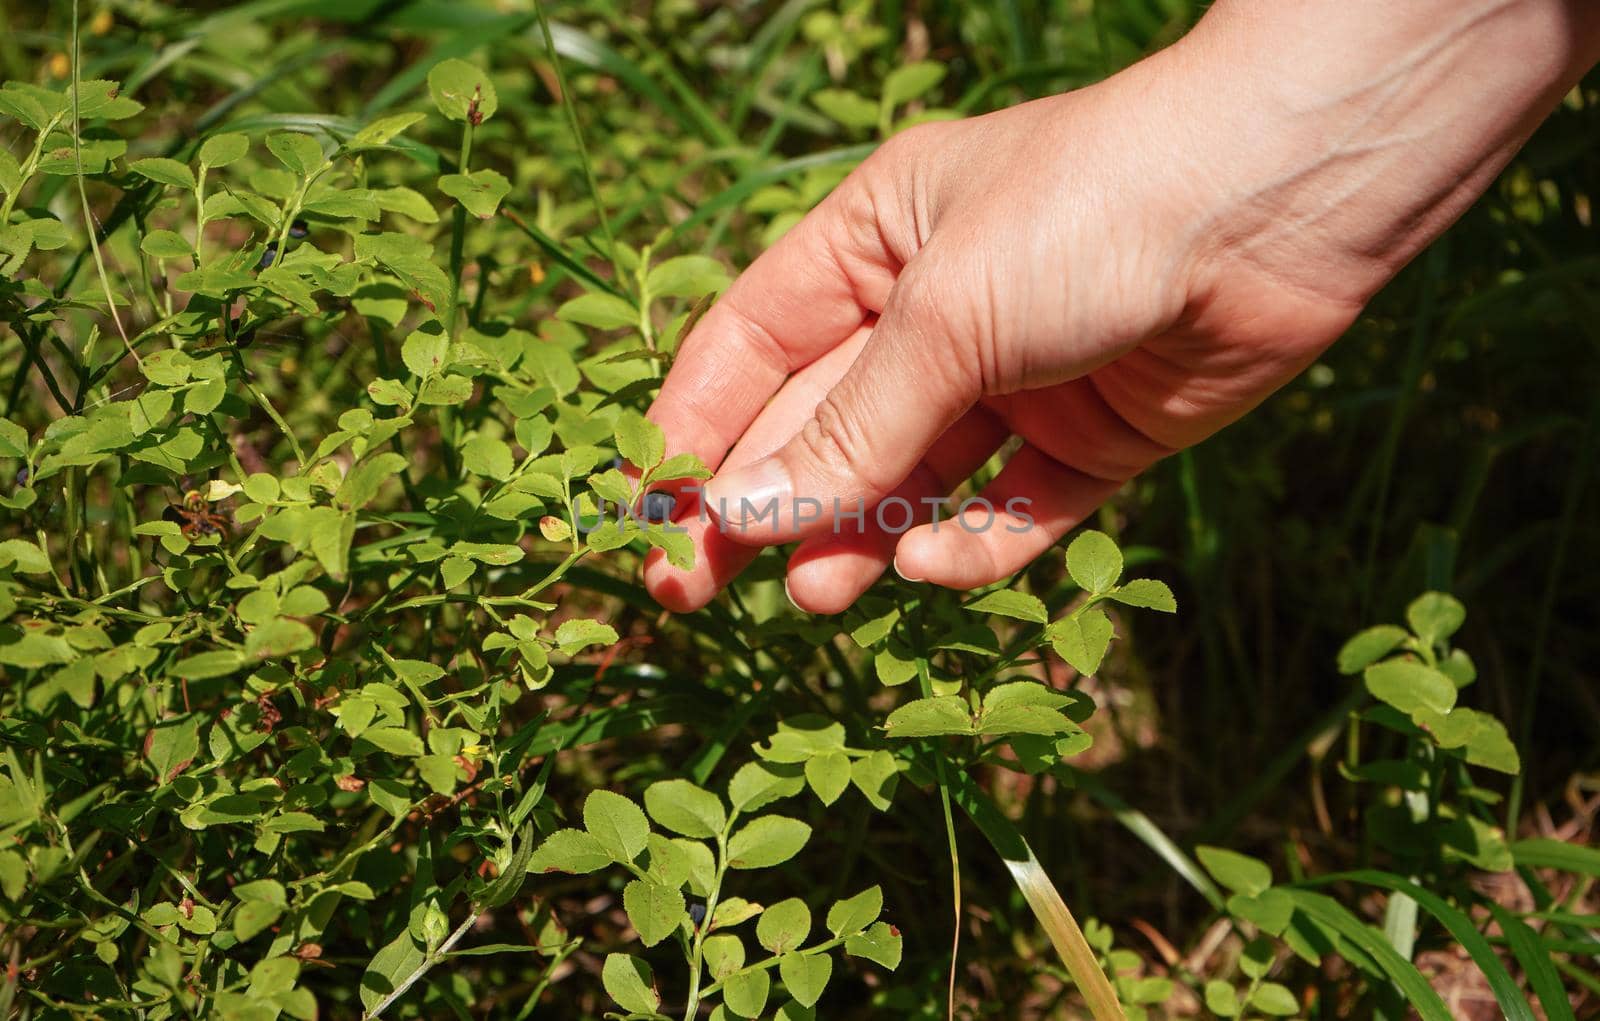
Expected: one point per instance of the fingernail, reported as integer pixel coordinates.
(749, 495)
(901, 571)
(787, 592)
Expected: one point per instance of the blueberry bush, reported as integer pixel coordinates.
(328, 687)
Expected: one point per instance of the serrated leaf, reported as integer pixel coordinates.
(1017, 605)
(828, 775)
(640, 441)
(629, 981)
(617, 823)
(300, 153)
(1082, 639)
(656, 910)
(686, 276)
(221, 150)
(854, 914)
(569, 850)
(1147, 593)
(767, 841)
(1094, 561)
(685, 809)
(931, 717)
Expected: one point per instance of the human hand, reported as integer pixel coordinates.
(1110, 275)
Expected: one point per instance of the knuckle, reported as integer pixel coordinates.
(838, 446)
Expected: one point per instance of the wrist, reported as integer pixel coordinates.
(1345, 138)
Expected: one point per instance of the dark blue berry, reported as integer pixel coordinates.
(269, 255)
(697, 913)
(657, 506)
(298, 229)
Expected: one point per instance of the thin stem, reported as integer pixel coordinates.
(583, 150)
(432, 958)
(697, 955)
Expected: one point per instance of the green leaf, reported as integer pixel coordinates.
(445, 390)
(745, 993)
(1018, 605)
(640, 441)
(254, 918)
(301, 153)
(723, 954)
(461, 91)
(767, 841)
(385, 129)
(1238, 872)
(1082, 639)
(166, 244)
(394, 740)
(617, 823)
(656, 910)
(1369, 646)
(479, 192)
(880, 943)
(848, 108)
(487, 456)
(853, 914)
(629, 981)
(1147, 593)
(875, 776)
(1094, 561)
(569, 850)
(805, 976)
(1410, 686)
(389, 967)
(27, 557)
(909, 81)
(220, 150)
(828, 774)
(685, 809)
(1545, 853)
(784, 926)
(171, 746)
(165, 171)
(426, 350)
(362, 484)
(579, 632)
(756, 785)
(1221, 999)
(1435, 616)
(686, 276)
(602, 311)
(930, 717)
(209, 664)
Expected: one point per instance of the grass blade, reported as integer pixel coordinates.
(1506, 993)
(1536, 963)
(1329, 912)
(1543, 853)
(1042, 897)
(1153, 837)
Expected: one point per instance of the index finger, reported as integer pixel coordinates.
(797, 301)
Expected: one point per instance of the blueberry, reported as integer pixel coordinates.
(269, 255)
(298, 229)
(697, 913)
(657, 506)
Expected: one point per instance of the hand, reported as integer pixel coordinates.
(1110, 275)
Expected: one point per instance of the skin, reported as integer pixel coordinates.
(1103, 277)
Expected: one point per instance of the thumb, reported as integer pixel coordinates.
(911, 382)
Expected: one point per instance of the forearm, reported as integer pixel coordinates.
(1361, 130)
